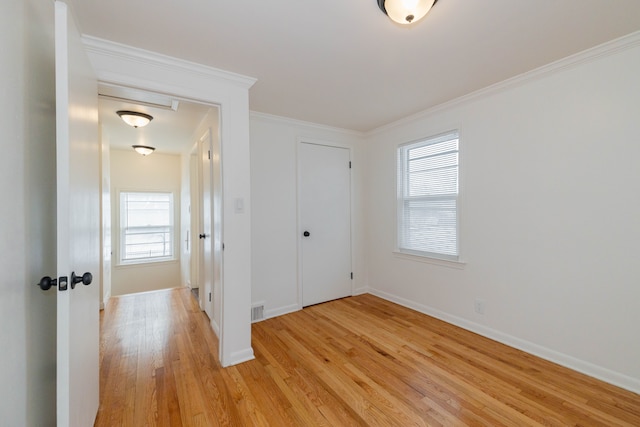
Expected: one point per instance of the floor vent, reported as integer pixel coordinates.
(257, 313)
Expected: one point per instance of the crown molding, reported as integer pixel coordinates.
(301, 123)
(117, 50)
(612, 47)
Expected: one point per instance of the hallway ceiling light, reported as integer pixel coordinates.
(145, 150)
(406, 11)
(135, 119)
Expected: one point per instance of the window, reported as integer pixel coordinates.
(146, 227)
(428, 197)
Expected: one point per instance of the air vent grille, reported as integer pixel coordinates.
(257, 313)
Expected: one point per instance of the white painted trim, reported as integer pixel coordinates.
(327, 143)
(105, 301)
(361, 290)
(609, 48)
(603, 374)
(300, 123)
(239, 357)
(459, 265)
(268, 314)
(215, 327)
(113, 49)
(298, 228)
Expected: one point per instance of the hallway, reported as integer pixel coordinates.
(157, 354)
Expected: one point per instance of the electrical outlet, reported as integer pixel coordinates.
(479, 306)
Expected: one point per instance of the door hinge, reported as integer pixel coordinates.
(209, 296)
(352, 275)
(223, 246)
(209, 154)
(349, 164)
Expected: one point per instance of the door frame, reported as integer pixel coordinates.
(116, 64)
(332, 144)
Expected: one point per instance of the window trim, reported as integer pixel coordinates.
(120, 231)
(436, 258)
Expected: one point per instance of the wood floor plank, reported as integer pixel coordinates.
(351, 362)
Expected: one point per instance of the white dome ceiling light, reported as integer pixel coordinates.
(135, 119)
(406, 11)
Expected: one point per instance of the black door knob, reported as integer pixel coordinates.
(86, 279)
(202, 236)
(47, 282)
(306, 234)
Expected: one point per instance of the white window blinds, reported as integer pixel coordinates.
(428, 197)
(146, 226)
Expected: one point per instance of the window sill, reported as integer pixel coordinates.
(153, 263)
(459, 265)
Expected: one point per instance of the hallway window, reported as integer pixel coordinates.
(146, 227)
(428, 197)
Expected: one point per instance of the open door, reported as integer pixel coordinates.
(206, 254)
(78, 227)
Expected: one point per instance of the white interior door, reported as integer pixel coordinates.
(325, 222)
(78, 227)
(195, 226)
(216, 208)
(206, 254)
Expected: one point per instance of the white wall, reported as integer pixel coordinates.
(132, 172)
(27, 214)
(274, 215)
(550, 214)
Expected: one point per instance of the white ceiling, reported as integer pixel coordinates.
(343, 63)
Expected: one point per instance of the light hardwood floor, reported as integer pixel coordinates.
(355, 361)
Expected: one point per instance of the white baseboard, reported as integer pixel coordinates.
(105, 301)
(360, 291)
(603, 374)
(215, 327)
(280, 311)
(239, 357)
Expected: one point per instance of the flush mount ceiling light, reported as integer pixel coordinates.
(145, 150)
(406, 11)
(135, 119)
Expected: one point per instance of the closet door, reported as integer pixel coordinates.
(325, 222)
